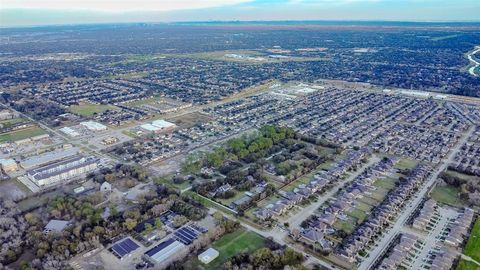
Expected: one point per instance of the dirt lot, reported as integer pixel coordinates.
(189, 119)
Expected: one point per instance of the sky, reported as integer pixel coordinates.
(44, 12)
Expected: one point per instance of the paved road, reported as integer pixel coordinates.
(297, 218)
(59, 134)
(430, 239)
(36, 121)
(387, 237)
(279, 234)
(470, 259)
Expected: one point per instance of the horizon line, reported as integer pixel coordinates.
(245, 22)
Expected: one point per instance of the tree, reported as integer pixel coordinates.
(130, 223)
(179, 220)
(158, 223)
(109, 177)
(148, 228)
(218, 216)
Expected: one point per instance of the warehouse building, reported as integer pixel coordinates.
(62, 170)
(48, 157)
(158, 126)
(8, 165)
(70, 131)
(93, 126)
(165, 251)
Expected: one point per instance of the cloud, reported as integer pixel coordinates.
(118, 5)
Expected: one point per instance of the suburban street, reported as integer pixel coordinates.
(297, 218)
(383, 243)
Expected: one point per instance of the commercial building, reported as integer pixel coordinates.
(93, 126)
(6, 114)
(164, 251)
(48, 157)
(70, 131)
(62, 170)
(8, 165)
(158, 126)
(208, 255)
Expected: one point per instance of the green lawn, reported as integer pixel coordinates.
(462, 175)
(12, 121)
(21, 134)
(466, 265)
(88, 109)
(358, 214)
(228, 246)
(447, 195)
(345, 225)
(227, 202)
(472, 249)
(386, 183)
(406, 163)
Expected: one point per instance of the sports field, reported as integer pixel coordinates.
(21, 134)
(88, 109)
(229, 245)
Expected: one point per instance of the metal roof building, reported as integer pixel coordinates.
(164, 250)
(48, 157)
(94, 126)
(55, 225)
(208, 255)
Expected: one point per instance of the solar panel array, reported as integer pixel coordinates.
(186, 235)
(159, 247)
(124, 247)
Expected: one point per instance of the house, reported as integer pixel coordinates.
(241, 203)
(263, 213)
(55, 225)
(106, 187)
(312, 236)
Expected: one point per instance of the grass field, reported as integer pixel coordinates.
(229, 245)
(345, 225)
(385, 183)
(21, 134)
(472, 249)
(443, 37)
(466, 265)
(88, 110)
(405, 163)
(447, 195)
(358, 214)
(12, 121)
(462, 175)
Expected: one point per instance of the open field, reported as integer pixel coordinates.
(462, 175)
(466, 265)
(88, 110)
(443, 37)
(406, 163)
(446, 195)
(345, 225)
(228, 246)
(12, 121)
(472, 249)
(189, 119)
(21, 134)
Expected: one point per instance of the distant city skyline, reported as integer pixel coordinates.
(44, 12)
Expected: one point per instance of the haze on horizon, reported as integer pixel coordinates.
(44, 12)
